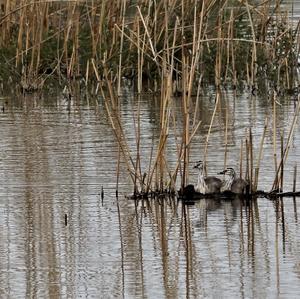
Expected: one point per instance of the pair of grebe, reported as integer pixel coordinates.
(211, 184)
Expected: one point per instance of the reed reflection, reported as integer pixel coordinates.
(210, 246)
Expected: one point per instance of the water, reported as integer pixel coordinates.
(54, 159)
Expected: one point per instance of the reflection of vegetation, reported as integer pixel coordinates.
(220, 41)
(189, 248)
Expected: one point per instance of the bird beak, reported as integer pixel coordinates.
(222, 172)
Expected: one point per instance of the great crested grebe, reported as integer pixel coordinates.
(209, 184)
(231, 183)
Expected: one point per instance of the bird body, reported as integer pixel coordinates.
(238, 186)
(206, 185)
(231, 183)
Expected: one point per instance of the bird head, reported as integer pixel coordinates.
(228, 171)
(199, 165)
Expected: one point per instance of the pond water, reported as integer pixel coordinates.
(57, 155)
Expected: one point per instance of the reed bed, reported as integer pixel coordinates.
(172, 47)
(220, 42)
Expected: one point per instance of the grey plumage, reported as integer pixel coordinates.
(231, 183)
(206, 185)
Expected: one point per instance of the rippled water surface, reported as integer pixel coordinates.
(56, 156)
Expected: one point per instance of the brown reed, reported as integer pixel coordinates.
(163, 43)
(65, 35)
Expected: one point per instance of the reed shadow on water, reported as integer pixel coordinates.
(202, 244)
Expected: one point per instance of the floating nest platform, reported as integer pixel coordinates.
(192, 195)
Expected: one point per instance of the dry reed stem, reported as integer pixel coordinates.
(137, 166)
(287, 145)
(295, 178)
(218, 95)
(118, 169)
(260, 154)
(282, 164)
(251, 159)
(121, 48)
(180, 153)
(241, 159)
(149, 166)
(147, 32)
(274, 131)
(247, 174)
(254, 51)
(226, 136)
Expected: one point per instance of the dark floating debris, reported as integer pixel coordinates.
(102, 193)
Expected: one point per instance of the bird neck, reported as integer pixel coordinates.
(200, 175)
(229, 180)
(201, 185)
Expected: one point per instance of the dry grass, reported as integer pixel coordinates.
(221, 42)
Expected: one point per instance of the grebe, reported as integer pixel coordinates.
(206, 185)
(231, 183)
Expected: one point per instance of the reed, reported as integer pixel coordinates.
(250, 159)
(241, 159)
(226, 137)
(295, 178)
(156, 45)
(64, 35)
(260, 155)
(286, 147)
(218, 95)
(274, 131)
